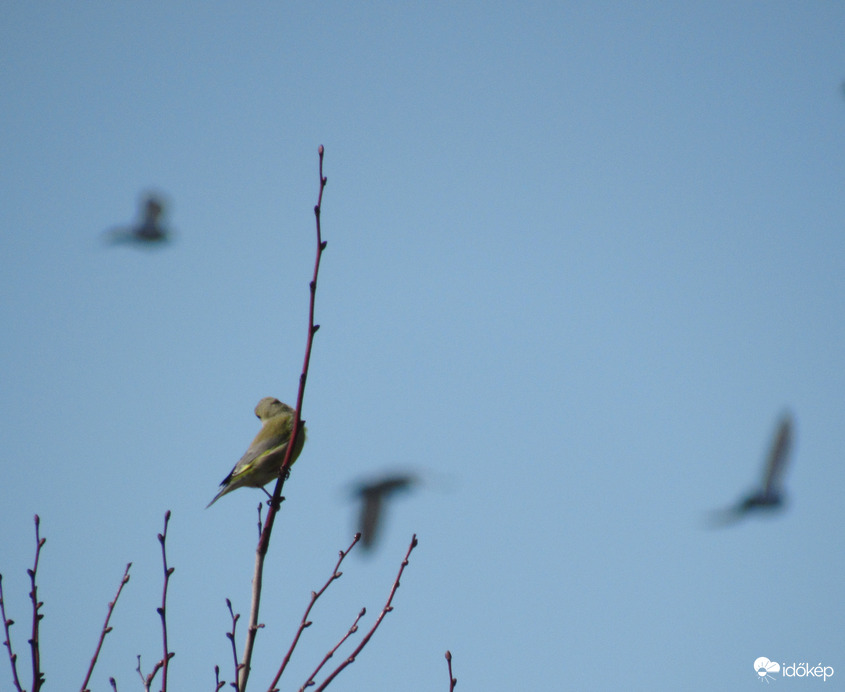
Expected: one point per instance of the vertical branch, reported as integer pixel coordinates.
(7, 623)
(264, 540)
(231, 637)
(37, 675)
(165, 660)
(452, 679)
(106, 629)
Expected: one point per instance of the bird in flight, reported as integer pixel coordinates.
(149, 231)
(770, 495)
(373, 495)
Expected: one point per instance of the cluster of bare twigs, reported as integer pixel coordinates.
(162, 665)
(384, 611)
(34, 643)
(242, 668)
(305, 623)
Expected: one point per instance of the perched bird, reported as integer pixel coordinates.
(260, 463)
(770, 495)
(372, 496)
(149, 230)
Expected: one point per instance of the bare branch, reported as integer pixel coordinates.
(231, 637)
(145, 681)
(384, 611)
(452, 679)
(352, 630)
(113, 684)
(218, 683)
(264, 540)
(106, 629)
(305, 622)
(37, 675)
(165, 660)
(7, 623)
(148, 680)
(163, 663)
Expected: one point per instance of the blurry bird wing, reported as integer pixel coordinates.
(396, 483)
(384, 486)
(725, 517)
(778, 457)
(369, 520)
(119, 234)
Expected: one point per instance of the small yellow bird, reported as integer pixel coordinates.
(261, 462)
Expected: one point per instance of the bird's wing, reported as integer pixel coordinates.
(724, 517)
(118, 234)
(369, 520)
(778, 456)
(392, 484)
(261, 446)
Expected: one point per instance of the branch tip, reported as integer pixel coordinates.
(265, 532)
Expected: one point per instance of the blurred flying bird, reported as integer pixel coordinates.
(770, 496)
(149, 231)
(260, 463)
(372, 496)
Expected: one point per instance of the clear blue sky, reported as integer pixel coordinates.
(580, 258)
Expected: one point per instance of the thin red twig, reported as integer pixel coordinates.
(452, 679)
(231, 637)
(331, 652)
(106, 629)
(167, 655)
(264, 540)
(384, 611)
(218, 683)
(7, 623)
(34, 644)
(148, 680)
